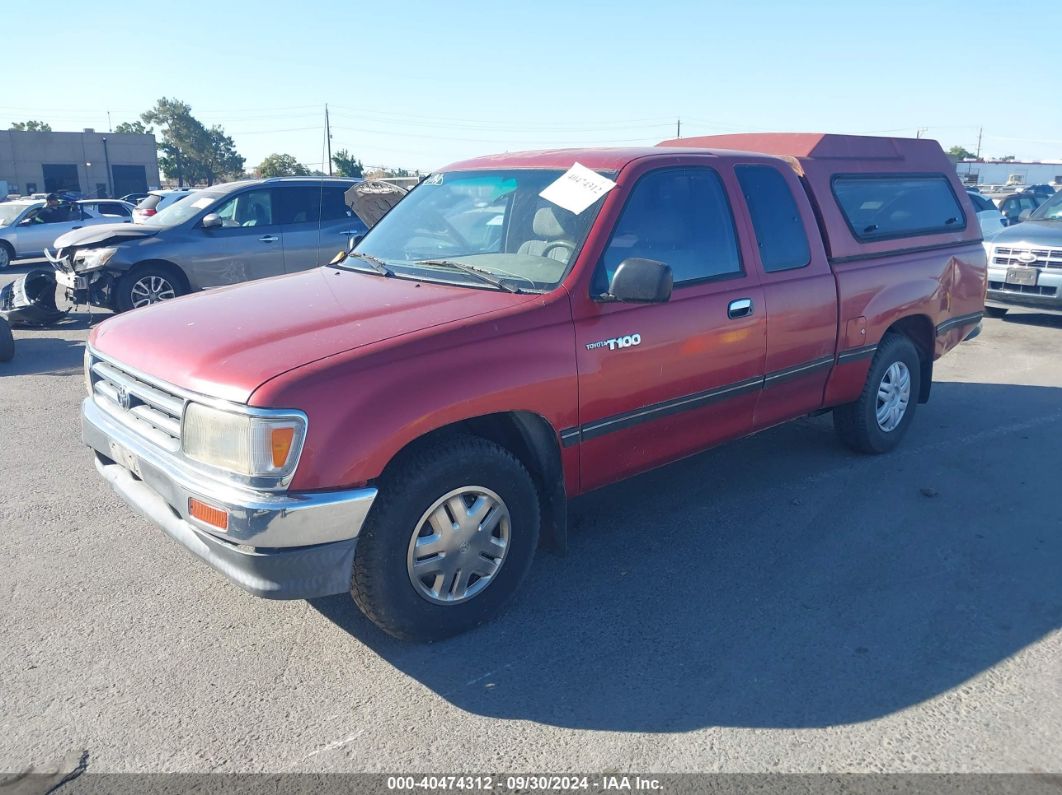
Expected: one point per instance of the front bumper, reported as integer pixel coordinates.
(278, 546)
(99, 283)
(1044, 296)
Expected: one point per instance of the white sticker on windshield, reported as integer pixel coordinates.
(199, 204)
(577, 189)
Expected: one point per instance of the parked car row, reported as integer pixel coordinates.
(29, 227)
(1025, 262)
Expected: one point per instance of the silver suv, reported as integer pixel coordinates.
(1025, 263)
(219, 235)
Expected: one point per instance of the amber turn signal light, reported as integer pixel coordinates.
(208, 514)
(281, 443)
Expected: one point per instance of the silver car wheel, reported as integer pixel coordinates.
(894, 393)
(459, 545)
(5, 257)
(150, 290)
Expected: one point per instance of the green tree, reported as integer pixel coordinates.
(31, 126)
(961, 154)
(136, 127)
(188, 150)
(1007, 159)
(221, 160)
(347, 165)
(278, 165)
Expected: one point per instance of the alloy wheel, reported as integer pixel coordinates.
(150, 290)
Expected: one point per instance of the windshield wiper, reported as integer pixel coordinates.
(480, 273)
(375, 263)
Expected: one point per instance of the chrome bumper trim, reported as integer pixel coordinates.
(300, 573)
(256, 519)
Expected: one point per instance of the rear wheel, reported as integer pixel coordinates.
(996, 311)
(877, 421)
(7, 254)
(450, 539)
(148, 285)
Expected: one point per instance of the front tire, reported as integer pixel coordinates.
(449, 541)
(877, 421)
(148, 285)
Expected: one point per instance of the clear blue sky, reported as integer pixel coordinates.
(419, 84)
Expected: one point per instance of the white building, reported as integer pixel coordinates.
(994, 172)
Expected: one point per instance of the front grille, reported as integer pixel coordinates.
(1045, 257)
(1027, 289)
(147, 409)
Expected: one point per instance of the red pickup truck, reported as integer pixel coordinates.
(407, 422)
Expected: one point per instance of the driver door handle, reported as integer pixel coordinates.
(269, 238)
(741, 307)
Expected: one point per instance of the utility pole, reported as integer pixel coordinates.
(678, 128)
(328, 140)
(980, 130)
(107, 163)
(110, 129)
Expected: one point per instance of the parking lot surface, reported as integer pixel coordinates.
(776, 604)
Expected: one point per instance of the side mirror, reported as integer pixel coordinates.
(1024, 215)
(643, 281)
(211, 221)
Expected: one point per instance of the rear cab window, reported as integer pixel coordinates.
(780, 234)
(885, 207)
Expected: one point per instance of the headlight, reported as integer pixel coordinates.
(247, 445)
(89, 259)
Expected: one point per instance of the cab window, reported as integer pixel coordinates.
(680, 217)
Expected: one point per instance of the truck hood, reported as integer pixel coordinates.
(1032, 233)
(104, 233)
(227, 342)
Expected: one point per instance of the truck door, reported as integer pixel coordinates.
(800, 294)
(659, 381)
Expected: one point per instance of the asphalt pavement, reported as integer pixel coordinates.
(775, 604)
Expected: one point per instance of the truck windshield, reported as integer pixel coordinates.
(458, 223)
(1050, 210)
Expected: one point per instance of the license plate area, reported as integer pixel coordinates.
(125, 457)
(71, 280)
(1022, 276)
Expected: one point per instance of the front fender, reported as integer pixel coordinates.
(364, 408)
